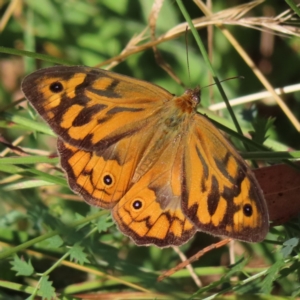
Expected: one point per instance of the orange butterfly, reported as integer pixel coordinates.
(162, 168)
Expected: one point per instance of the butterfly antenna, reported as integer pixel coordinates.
(230, 78)
(187, 52)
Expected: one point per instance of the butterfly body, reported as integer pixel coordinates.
(130, 146)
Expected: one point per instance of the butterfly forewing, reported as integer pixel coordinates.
(224, 198)
(91, 108)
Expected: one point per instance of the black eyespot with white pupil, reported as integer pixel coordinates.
(248, 210)
(137, 204)
(56, 87)
(107, 180)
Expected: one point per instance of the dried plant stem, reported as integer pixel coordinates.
(255, 70)
(189, 266)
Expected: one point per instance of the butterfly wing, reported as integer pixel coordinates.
(97, 115)
(92, 108)
(150, 212)
(102, 177)
(124, 145)
(222, 196)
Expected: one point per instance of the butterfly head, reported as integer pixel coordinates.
(189, 100)
(194, 95)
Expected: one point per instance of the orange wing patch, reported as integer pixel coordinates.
(101, 182)
(141, 215)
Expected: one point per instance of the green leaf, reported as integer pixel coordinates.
(104, 224)
(237, 267)
(272, 274)
(296, 292)
(288, 246)
(261, 127)
(77, 254)
(30, 124)
(77, 218)
(55, 242)
(26, 184)
(28, 160)
(22, 267)
(46, 289)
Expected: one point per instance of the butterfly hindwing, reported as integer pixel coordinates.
(150, 212)
(101, 182)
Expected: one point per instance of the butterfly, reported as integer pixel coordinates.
(163, 169)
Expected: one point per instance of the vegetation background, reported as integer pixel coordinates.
(56, 246)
